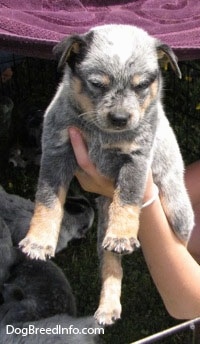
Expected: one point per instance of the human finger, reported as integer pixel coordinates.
(80, 151)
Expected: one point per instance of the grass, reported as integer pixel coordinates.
(143, 311)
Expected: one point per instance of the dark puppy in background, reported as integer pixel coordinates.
(30, 289)
(37, 294)
(112, 91)
(35, 290)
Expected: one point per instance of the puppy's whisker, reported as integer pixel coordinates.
(88, 113)
(90, 117)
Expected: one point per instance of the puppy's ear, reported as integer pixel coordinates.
(166, 54)
(70, 50)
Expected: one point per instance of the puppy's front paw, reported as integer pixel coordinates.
(36, 250)
(120, 245)
(106, 315)
(122, 231)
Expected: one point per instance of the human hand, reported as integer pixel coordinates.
(89, 177)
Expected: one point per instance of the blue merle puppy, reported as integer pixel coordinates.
(112, 90)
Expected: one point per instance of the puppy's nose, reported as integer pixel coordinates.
(119, 119)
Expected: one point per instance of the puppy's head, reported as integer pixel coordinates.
(114, 74)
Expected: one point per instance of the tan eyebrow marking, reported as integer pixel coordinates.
(136, 79)
(103, 79)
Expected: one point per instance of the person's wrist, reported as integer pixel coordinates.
(151, 191)
(148, 200)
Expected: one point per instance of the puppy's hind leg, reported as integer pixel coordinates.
(177, 207)
(168, 175)
(109, 309)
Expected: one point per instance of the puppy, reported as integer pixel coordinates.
(26, 294)
(112, 91)
(27, 299)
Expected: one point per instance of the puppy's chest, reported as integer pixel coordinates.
(110, 156)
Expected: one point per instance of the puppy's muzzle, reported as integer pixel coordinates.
(119, 119)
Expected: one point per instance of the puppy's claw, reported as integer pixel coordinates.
(36, 251)
(120, 245)
(107, 317)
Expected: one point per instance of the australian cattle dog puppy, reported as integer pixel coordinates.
(112, 91)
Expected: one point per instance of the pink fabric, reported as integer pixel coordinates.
(32, 27)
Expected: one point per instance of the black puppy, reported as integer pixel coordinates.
(35, 296)
(30, 290)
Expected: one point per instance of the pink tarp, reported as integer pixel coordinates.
(32, 27)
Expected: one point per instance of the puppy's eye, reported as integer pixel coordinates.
(142, 86)
(97, 84)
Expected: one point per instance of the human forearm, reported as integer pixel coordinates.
(175, 273)
(192, 180)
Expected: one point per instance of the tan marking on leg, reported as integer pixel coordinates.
(123, 218)
(109, 308)
(123, 225)
(46, 221)
(42, 237)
